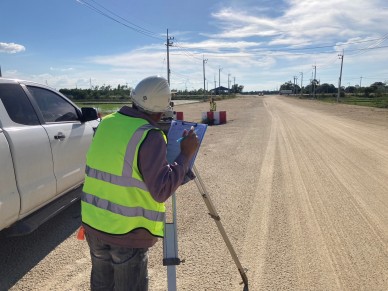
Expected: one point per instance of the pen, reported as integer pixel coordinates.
(183, 137)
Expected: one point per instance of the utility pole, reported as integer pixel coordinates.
(295, 83)
(315, 78)
(219, 76)
(228, 84)
(168, 44)
(341, 56)
(293, 87)
(0, 73)
(311, 84)
(204, 61)
(360, 81)
(215, 84)
(301, 83)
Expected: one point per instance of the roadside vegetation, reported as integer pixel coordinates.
(375, 95)
(107, 99)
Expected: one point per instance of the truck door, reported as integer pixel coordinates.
(9, 197)
(30, 150)
(69, 137)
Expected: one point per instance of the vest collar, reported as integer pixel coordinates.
(129, 111)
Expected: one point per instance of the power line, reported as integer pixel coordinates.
(373, 46)
(361, 51)
(344, 44)
(128, 24)
(142, 28)
(251, 54)
(329, 62)
(371, 78)
(186, 51)
(285, 49)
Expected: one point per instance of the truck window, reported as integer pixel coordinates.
(54, 108)
(17, 104)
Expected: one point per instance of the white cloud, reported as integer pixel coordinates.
(255, 45)
(61, 69)
(11, 48)
(217, 45)
(316, 21)
(133, 60)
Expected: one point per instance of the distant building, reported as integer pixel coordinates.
(219, 90)
(285, 92)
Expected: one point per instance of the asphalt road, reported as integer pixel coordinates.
(301, 188)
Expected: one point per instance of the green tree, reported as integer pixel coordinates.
(351, 89)
(378, 88)
(326, 88)
(287, 86)
(236, 88)
(290, 86)
(376, 85)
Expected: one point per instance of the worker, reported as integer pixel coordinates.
(213, 105)
(127, 181)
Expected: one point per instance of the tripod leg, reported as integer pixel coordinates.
(213, 214)
(170, 248)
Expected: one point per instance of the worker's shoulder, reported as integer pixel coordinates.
(155, 133)
(152, 143)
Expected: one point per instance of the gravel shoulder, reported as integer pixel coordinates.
(301, 189)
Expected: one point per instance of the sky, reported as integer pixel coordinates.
(259, 44)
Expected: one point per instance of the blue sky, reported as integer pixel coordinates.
(259, 44)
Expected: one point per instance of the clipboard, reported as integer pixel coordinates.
(175, 132)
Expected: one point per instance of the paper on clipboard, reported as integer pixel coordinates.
(176, 130)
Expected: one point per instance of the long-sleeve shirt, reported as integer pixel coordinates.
(162, 179)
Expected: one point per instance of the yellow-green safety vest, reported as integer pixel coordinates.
(115, 199)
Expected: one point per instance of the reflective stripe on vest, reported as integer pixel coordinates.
(123, 210)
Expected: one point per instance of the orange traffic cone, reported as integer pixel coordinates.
(81, 233)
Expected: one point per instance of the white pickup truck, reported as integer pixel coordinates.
(44, 138)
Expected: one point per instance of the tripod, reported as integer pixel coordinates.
(170, 247)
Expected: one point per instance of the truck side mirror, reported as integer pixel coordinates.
(89, 113)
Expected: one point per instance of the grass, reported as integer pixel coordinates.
(379, 102)
(103, 108)
(106, 107)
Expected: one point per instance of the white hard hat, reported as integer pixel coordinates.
(152, 94)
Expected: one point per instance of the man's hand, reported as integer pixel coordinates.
(190, 143)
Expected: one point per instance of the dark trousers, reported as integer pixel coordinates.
(117, 268)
